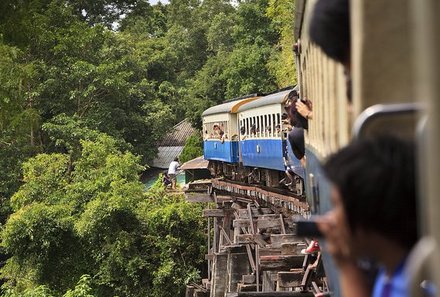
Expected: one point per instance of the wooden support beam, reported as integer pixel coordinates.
(250, 218)
(251, 258)
(268, 223)
(239, 223)
(281, 262)
(217, 212)
(283, 229)
(290, 279)
(225, 236)
(250, 238)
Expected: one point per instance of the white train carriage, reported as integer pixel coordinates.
(263, 142)
(220, 131)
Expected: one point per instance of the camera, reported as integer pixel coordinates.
(307, 228)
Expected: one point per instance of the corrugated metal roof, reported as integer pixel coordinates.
(178, 135)
(197, 163)
(172, 144)
(228, 107)
(166, 155)
(276, 98)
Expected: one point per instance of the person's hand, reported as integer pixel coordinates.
(337, 237)
(303, 109)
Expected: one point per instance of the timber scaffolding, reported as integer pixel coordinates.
(252, 247)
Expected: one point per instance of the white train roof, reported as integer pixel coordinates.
(228, 107)
(276, 98)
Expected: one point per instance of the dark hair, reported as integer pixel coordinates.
(330, 28)
(376, 179)
(176, 159)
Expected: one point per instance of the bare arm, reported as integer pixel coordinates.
(304, 110)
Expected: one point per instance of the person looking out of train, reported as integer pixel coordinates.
(218, 132)
(299, 123)
(305, 108)
(330, 30)
(373, 192)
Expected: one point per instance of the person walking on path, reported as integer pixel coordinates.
(172, 172)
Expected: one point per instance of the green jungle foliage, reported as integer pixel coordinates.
(193, 148)
(86, 90)
(96, 225)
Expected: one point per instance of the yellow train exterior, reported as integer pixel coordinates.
(395, 65)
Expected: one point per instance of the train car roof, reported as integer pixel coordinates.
(276, 98)
(228, 107)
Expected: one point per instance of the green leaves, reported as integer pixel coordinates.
(193, 148)
(92, 216)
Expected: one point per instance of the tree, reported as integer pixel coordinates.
(193, 148)
(96, 219)
(281, 64)
(246, 71)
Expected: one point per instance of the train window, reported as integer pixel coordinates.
(253, 127)
(270, 127)
(279, 123)
(261, 126)
(266, 126)
(258, 127)
(247, 127)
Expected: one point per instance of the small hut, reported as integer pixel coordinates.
(172, 144)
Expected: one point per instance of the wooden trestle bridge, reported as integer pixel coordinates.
(252, 246)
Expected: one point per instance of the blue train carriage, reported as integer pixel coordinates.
(264, 148)
(221, 136)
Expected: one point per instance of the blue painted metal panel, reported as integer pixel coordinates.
(294, 163)
(264, 153)
(320, 203)
(227, 151)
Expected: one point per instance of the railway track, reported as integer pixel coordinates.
(278, 200)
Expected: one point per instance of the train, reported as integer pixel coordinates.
(246, 140)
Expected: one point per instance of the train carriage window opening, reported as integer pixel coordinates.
(257, 122)
(274, 125)
(224, 132)
(279, 123)
(205, 132)
(247, 127)
(261, 127)
(266, 126)
(257, 126)
(269, 121)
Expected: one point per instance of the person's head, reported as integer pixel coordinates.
(176, 159)
(330, 29)
(291, 97)
(374, 186)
